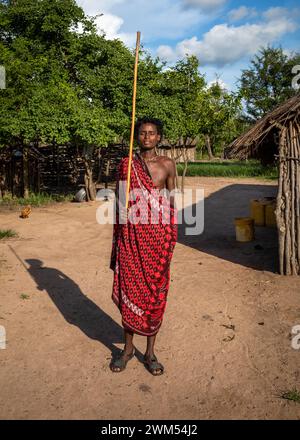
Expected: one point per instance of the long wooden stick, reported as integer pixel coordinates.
(138, 37)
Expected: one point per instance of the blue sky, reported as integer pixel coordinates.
(223, 34)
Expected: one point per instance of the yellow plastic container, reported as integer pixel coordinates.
(270, 217)
(257, 212)
(244, 229)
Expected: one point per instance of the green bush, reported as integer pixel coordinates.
(7, 233)
(38, 199)
(229, 169)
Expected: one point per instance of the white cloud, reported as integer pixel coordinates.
(166, 53)
(276, 13)
(227, 75)
(242, 12)
(225, 44)
(205, 4)
(93, 7)
(287, 52)
(110, 24)
(219, 81)
(156, 19)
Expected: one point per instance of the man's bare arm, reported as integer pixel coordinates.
(171, 180)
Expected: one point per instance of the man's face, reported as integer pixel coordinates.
(148, 137)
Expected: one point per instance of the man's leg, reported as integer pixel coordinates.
(150, 345)
(128, 348)
(128, 342)
(150, 353)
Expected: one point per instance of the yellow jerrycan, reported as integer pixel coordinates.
(257, 212)
(244, 229)
(270, 217)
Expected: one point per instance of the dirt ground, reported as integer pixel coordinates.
(225, 341)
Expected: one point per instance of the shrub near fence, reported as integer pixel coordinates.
(229, 169)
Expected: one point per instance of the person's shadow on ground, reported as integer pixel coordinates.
(77, 308)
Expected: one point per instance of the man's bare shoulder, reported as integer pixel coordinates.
(167, 161)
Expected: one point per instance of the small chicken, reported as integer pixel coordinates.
(25, 212)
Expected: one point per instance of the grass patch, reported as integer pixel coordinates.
(38, 199)
(229, 169)
(293, 395)
(24, 296)
(7, 233)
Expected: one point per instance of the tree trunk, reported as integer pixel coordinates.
(223, 151)
(200, 155)
(14, 177)
(2, 181)
(25, 174)
(100, 164)
(38, 180)
(107, 172)
(92, 187)
(208, 147)
(86, 183)
(175, 159)
(88, 180)
(185, 158)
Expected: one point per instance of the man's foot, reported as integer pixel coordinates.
(155, 367)
(119, 363)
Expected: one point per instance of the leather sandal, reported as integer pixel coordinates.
(120, 363)
(153, 366)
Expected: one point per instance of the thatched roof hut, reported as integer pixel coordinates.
(277, 137)
(180, 151)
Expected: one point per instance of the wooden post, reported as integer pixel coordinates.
(293, 204)
(280, 205)
(138, 37)
(296, 134)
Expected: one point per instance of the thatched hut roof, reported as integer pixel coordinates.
(189, 143)
(248, 143)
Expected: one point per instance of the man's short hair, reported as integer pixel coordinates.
(146, 120)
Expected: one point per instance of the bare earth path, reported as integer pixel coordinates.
(225, 340)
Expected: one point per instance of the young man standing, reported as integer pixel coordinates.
(142, 251)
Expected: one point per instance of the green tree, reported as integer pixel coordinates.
(34, 38)
(182, 86)
(66, 86)
(220, 111)
(268, 80)
(59, 81)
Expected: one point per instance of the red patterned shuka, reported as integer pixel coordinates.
(142, 251)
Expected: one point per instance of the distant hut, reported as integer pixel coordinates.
(277, 137)
(181, 151)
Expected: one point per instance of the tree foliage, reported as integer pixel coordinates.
(68, 84)
(268, 80)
